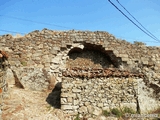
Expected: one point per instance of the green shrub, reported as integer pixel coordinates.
(139, 43)
(116, 112)
(24, 63)
(106, 113)
(128, 110)
(77, 117)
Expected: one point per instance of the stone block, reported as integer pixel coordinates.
(54, 66)
(145, 62)
(67, 85)
(97, 111)
(69, 99)
(56, 60)
(66, 107)
(68, 95)
(76, 90)
(31, 78)
(75, 102)
(54, 52)
(63, 101)
(75, 107)
(100, 105)
(90, 109)
(106, 108)
(56, 48)
(123, 55)
(129, 62)
(83, 110)
(47, 64)
(125, 59)
(10, 77)
(37, 54)
(40, 46)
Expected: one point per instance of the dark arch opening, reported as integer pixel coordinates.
(96, 56)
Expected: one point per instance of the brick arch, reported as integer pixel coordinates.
(94, 55)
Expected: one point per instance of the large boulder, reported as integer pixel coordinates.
(32, 78)
(147, 99)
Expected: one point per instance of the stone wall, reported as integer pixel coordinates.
(3, 82)
(90, 96)
(38, 60)
(38, 48)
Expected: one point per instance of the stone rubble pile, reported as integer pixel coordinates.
(3, 82)
(93, 73)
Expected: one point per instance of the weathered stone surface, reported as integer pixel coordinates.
(69, 85)
(97, 111)
(146, 99)
(90, 109)
(56, 60)
(83, 110)
(68, 95)
(3, 79)
(66, 107)
(32, 78)
(53, 66)
(76, 90)
(10, 79)
(94, 83)
(132, 106)
(101, 118)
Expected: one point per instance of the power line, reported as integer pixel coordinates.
(35, 22)
(11, 31)
(132, 21)
(136, 19)
(132, 40)
(22, 19)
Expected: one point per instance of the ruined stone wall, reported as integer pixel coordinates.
(39, 58)
(39, 47)
(43, 49)
(3, 82)
(91, 96)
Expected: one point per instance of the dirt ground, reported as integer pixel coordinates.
(29, 105)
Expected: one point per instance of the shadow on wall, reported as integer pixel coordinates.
(54, 97)
(95, 56)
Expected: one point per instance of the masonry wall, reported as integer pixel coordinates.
(44, 54)
(91, 96)
(39, 47)
(3, 82)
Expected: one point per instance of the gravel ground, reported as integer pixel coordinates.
(29, 105)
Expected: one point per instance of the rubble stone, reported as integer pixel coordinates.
(104, 68)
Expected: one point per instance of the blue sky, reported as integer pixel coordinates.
(93, 15)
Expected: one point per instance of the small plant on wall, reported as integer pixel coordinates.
(24, 63)
(118, 113)
(139, 43)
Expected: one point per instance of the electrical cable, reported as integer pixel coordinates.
(132, 21)
(132, 40)
(136, 19)
(11, 31)
(35, 21)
